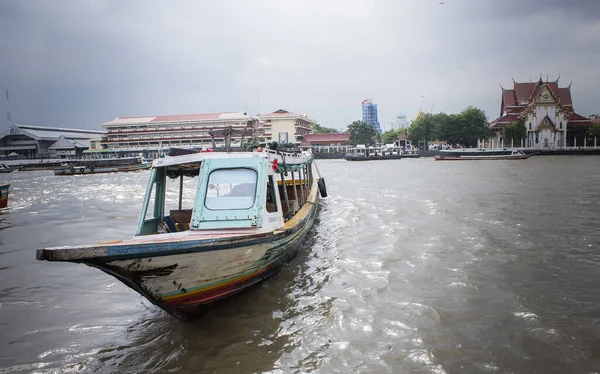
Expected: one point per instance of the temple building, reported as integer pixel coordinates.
(548, 114)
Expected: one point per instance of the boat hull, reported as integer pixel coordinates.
(4, 195)
(183, 273)
(373, 158)
(492, 157)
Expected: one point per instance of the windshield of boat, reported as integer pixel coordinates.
(231, 189)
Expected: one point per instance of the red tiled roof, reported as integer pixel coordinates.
(564, 94)
(578, 118)
(311, 139)
(524, 90)
(508, 98)
(506, 119)
(515, 110)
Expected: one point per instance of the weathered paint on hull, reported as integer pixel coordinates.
(4, 195)
(183, 285)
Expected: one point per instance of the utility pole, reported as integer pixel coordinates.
(8, 118)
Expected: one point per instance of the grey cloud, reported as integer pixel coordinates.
(77, 63)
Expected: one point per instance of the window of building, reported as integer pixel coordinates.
(561, 126)
(536, 138)
(530, 127)
(231, 189)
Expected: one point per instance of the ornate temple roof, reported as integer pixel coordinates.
(522, 95)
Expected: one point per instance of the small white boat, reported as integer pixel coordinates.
(464, 154)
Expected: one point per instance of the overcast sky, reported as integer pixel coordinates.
(80, 63)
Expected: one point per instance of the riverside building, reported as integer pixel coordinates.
(283, 126)
(152, 134)
(548, 113)
(29, 141)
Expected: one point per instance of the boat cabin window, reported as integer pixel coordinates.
(231, 189)
(271, 200)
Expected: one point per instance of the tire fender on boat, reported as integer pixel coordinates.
(322, 187)
(72, 170)
(92, 169)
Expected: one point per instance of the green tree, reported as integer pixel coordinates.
(391, 136)
(475, 126)
(426, 127)
(318, 129)
(514, 133)
(594, 131)
(362, 133)
(252, 143)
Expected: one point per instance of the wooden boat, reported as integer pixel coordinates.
(481, 154)
(7, 169)
(104, 166)
(250, 214)
(4, 195)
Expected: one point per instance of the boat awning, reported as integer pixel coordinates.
(17, 147)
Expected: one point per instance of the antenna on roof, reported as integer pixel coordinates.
(500, 84)
(513, 79)
(571, 83)
(558, 78)
(258, 102)
(8, 118)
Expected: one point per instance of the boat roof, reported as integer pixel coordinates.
(291, 158)
(199, 157)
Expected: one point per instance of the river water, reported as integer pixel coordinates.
(413, 266)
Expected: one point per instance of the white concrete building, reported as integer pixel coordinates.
(286, 127)
(401, 122)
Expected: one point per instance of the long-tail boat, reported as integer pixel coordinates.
(250, 213)
(481, 154)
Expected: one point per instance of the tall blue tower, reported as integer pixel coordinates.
(369, 114)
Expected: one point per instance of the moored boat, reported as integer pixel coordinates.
(6, 169)
(4, 188)
(363, 153)
(481, 154)
(104, 166)
(250, 213)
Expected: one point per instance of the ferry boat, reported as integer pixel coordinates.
(4, 188)
(104, 166)
(481, 154)
(363, 153)
(250, 214)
